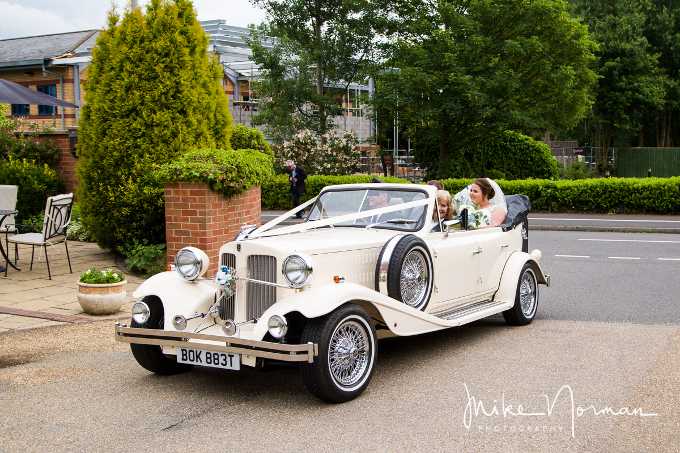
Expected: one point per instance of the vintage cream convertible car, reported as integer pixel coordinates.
(369, 261)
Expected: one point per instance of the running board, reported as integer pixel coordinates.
(465, 310)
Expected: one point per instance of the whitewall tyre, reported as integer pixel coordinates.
(526, 299)
(347, 354)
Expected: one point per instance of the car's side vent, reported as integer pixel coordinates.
(228, 304)
(259, 297)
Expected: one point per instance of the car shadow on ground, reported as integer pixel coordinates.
(282, 382)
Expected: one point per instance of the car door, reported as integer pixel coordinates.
(494, 247)
(456, 269)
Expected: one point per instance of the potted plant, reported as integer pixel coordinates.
(101, 291)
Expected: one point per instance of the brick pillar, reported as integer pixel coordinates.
(196, 216)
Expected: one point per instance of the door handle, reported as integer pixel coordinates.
(505, 245)
(477, 251)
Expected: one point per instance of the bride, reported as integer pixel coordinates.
(488, 203)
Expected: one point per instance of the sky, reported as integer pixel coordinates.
(41, 17)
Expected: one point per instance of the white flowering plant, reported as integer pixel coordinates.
(101, 276)
(332, 153)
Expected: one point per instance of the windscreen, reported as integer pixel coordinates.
(335, 203)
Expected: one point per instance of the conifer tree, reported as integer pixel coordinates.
(152, 93)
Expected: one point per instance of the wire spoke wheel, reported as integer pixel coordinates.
(527, 293)
(414, 278)
(349, 352)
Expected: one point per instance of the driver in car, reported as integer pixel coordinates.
(376, 199)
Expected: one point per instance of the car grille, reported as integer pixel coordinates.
(228, 304)
(259, 297)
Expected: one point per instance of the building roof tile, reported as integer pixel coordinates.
(45, 46)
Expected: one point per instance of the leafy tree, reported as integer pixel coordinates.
(152, 93)
(319, 47)
(630, 84)
(662, 126)
(468, 69)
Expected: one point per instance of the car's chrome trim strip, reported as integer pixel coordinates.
(265, 349)
(468, 309)
(384, 265)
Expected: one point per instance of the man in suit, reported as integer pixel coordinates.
(296, 176)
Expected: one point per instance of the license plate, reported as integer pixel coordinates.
(224, 360)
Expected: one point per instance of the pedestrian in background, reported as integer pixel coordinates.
(436, 183)
(296, 176)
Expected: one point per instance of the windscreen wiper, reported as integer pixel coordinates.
(395, 221)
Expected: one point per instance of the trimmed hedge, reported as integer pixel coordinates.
(276, 191)
(227, 171)
(36, 183)
(604, 195)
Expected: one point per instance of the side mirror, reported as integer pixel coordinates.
(464, 219)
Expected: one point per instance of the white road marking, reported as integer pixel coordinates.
(559, 219)
(573, 256)
(630, 240)
(668, 259)
(623, 257)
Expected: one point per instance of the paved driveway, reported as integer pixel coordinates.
(37, 297)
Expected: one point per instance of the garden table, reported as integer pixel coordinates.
(4, 213)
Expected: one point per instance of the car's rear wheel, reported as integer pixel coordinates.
(347, 354)
(408, 276)
(526, 299)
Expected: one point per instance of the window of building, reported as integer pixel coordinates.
(21, 109)
(50, 89)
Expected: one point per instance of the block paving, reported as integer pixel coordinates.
(31, 291)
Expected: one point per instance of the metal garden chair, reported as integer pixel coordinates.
(57, 218)
(8, 201)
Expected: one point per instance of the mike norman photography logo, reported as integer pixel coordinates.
(546, 415)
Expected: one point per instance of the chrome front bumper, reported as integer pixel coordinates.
(264, 349)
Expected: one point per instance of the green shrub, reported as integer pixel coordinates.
(76, 231)
(244, 137)
(145, 259)
(226, 171)
(510, 156)
(45, 152)
(153, 92)
(605, 195)
(576, 170)
(94, 276)
(36, 183)
(276, 190)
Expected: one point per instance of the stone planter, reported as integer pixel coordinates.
(101, 299)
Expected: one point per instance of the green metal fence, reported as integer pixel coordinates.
(640, 162)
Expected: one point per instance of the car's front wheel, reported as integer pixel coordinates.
(526, 299)
(347, 354)
(151, 357)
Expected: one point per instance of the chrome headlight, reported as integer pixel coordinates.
(277, 326)
(191, 263)
(140, 312)
(297, 270)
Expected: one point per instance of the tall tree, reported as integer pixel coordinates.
(663, 26)
(466, 69)
(319, 47)
(152, 93)
(630, 84)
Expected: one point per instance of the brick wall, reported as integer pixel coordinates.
(196, 216)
